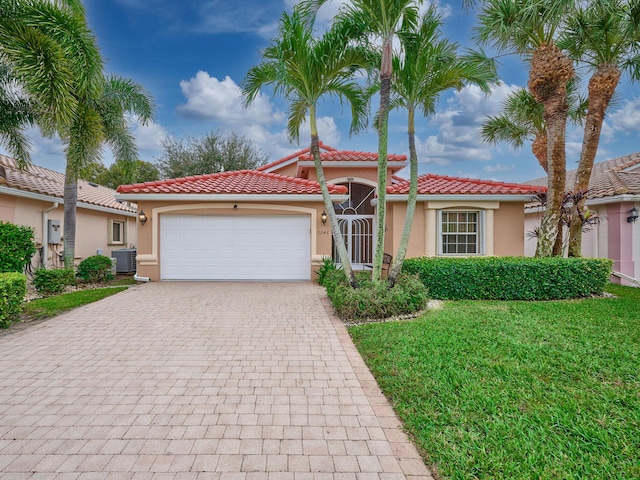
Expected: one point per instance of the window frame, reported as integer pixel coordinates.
(480, 233)
(123, 232)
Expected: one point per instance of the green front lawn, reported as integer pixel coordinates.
(52, 306)
(492, 389)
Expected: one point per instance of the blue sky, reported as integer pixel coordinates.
(192, 55)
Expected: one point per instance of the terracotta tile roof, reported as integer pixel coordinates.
(352, 156)
(618, 176)
(43, 181)
(235, 182)
(430, 184)
(281, 161)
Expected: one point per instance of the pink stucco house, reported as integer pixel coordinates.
(34, 197)
(614, 195)
(268, 223)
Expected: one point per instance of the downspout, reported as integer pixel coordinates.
(45, 234)
(140, 279)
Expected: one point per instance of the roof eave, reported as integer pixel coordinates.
(52, 198)
(495, 197)
(394, 165)
(229, 197)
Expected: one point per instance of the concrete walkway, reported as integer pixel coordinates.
(196, 381)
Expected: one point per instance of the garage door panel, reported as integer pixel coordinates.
(198, 247)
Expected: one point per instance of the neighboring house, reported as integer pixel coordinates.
(34, 197)
(614, 191)
(268, 223)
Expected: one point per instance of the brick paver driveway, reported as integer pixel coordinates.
(185, 381)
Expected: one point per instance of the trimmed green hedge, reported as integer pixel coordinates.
(54, 281)
(95, 269)
(16, 247)
(13, 287)
(511, 278)
(374, 301)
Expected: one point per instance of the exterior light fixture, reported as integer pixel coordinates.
(323, 217)
(633, 215)
(142, 217)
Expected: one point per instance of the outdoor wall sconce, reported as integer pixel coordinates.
(142, 217)
(323, 217)
(633, 215)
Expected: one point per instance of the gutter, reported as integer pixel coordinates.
(138, 278)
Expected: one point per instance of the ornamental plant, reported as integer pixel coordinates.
(16, 247)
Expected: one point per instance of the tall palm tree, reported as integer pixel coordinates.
(529, 28)
(101, 119)
(44, 46)
(605, 37)
(522, 120)
(302, 69)
(17, 113)
(430, 65)
(378, 19)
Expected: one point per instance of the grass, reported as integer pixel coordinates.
(517, 389)
(52, 306)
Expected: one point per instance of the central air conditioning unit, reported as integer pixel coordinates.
(125, 260)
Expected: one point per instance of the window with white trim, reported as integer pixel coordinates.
(116, 232)
(460, 232)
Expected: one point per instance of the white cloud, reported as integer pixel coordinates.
(261, 122)
(457, 127)
(626, 119)
(149, 137)
(211, 99)
(499, 168)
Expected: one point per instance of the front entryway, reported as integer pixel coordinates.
(356, 221)
(219, 247)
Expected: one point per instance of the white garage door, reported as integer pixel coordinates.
(209, 247)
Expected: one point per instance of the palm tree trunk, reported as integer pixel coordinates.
(383, 140)
(411, 202)
(338, 239)
(601, 88)
(548, 77)
(70, 202)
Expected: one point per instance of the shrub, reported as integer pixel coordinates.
(511, 278)
(328, 265)
(375, 300)
(16, 247)
(95, 269)
(13, 287)
(54, 281)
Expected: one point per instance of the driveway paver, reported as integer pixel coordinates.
(197, 381)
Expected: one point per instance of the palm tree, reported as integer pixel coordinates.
(302, 69)
(17, 113)
(101, 119)
(522, 120)
(529, 28)
(429, 66)
(44, 45)
(604, 36)
(380, 19)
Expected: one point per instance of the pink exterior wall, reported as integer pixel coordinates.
(622, 236)
(613, 237)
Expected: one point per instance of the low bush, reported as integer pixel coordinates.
(511, 278)
(51, 282)
(328, 265)
(13, 287)
(375, 300)
(96, 268)
(16, 247)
